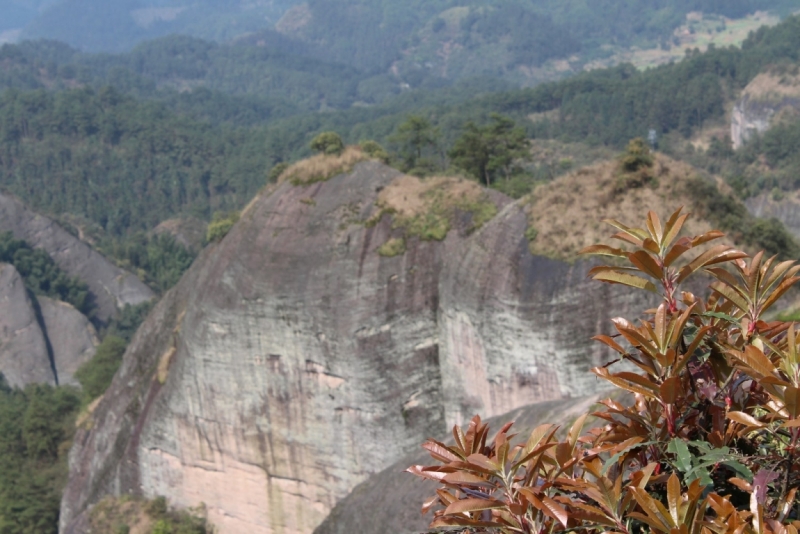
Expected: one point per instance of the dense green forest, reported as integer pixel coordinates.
(36, 424)
(57, 149)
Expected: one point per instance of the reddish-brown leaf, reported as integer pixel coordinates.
(613, 277)
(671, 390)
(441, 452)
(603, 250)
(792, 401)
(467, 479)
(745, 419)
(473, 505)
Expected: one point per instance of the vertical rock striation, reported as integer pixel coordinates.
(72, 337)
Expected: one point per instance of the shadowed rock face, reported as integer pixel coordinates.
(111, 287)
(292, 361)
(72, 337)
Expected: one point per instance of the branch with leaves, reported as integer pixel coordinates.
(708, 442)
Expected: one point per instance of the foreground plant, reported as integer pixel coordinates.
(707, 444)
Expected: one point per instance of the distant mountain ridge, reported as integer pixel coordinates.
(447, 39)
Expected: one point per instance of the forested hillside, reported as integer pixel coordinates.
(58, 146)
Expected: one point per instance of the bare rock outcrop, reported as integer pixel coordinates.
(111, 287)
(23, 346)
(72, 337)
(293, 360)
(770, 96)
(785, 209)
(188, 231)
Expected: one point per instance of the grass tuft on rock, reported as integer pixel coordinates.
(322, 167)
(393, 247)
(427, 208)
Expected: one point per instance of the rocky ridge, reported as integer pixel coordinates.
(111, 287)
(293, 360)
(44, 340)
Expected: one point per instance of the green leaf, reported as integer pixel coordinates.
(740, 469)
(720, 315)
(683, 458)
(626, 279)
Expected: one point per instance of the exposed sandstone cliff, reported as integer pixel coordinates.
(188, 231)
(72, 337)
(292, 360)
(41, 340)
(110, 286)
(23, 350)
(786, 209)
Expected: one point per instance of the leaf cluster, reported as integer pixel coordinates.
(708, 444)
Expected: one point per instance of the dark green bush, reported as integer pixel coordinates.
(95, 375)
(329, 143)
(35, 424)
(220, 225)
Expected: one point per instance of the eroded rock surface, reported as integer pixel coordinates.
(23, 349)
(72, 337)
(111, 287)
(188, 231)
(292, 361)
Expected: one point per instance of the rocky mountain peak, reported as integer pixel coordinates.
(298, 356)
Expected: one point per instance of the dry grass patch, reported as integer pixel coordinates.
(566, 215)
(774, 86)
(322, 167)
(426, 208)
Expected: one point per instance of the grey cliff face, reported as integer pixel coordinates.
(111, 287)
(750, 117)
(786, 210)
(41, 340)
(23, 350)
(766, 98)
(292, 361)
